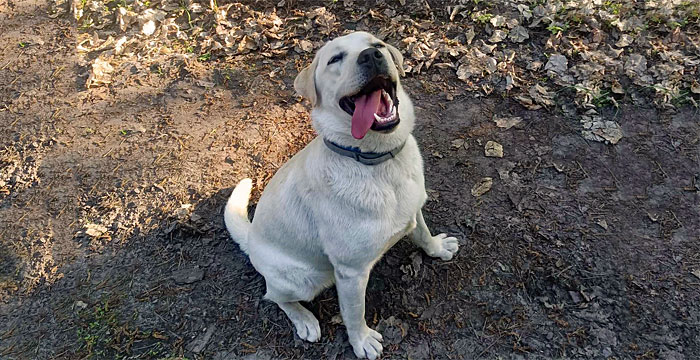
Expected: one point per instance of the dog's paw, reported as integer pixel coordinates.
(367, 344)
(307, 326)
(446, 247)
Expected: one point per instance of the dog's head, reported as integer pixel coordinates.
(353, 82)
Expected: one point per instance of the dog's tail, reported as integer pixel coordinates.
(236, 213)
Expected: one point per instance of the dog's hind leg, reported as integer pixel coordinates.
(441, 245)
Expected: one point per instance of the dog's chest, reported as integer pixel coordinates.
(391, 195)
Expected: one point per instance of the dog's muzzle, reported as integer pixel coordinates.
(375, 105)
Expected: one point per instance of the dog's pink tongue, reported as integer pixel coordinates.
(363, 117)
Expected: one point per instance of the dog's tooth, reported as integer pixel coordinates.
(393, 110)
(377, 117)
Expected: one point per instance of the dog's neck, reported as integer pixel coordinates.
(366, 158)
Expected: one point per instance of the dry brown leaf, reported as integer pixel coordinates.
(518, 34)
(493, 149)
(541, 95)
(527, 102)
(482, 187)
(616, 87)
(597, 129)
(695, 87)
(101, 73)
(507, 122)
(624, 41)
(557, 63)
(498, 21)
(498, 36)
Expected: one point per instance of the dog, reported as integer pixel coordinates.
(331, 212)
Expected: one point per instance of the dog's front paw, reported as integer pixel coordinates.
(445, 247)
(366, 344)
(307, 326)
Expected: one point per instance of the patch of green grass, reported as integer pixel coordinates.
(482, 18)
(123, 132)
(101, 335)
(155, 68)
(97, 333)
(204, 57)
(576, 18)
(683, 98)
(678, 24)
(691, 9)
(612, 7)
(22, 44)
(86, 24)
(602, 100)
(184, 10)
(557, 28)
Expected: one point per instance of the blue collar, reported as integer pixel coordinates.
(366, 158)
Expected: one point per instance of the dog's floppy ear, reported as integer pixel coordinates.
(305, 83)
(398, 58)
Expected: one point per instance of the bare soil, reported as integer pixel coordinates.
(112, 243)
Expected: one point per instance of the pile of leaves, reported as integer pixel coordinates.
(596, 52)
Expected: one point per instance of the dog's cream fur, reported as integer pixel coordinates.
(326, 219)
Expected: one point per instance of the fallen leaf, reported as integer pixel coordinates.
(518, 34)
(95, 230)
(695, 87)
(557, 63)
(125, 18)
(534, 65)
(696, 272)
(458, 143)
(337, 319)
(101, 73)
(597, 129)
(602, 223)
(482, 187)
(527, 102)
(205, 84)
(616, 87)
(541, 95)
(498, 36)
(470, 35)
(498, 21)
(507, 122)
(306, 46)
(465, 71)
(149, 19)
(625, 40)
(493, 149)
(635, 68)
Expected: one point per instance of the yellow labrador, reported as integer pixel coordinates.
(331, 212)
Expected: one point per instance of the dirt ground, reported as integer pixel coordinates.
(112, 243)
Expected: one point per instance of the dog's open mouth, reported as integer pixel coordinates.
(374, 107)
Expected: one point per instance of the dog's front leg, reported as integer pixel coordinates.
(352, 285)
(441, 245)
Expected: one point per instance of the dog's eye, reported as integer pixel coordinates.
(378, 45)
(336, 58)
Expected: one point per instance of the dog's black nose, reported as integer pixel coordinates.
(369, 56)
